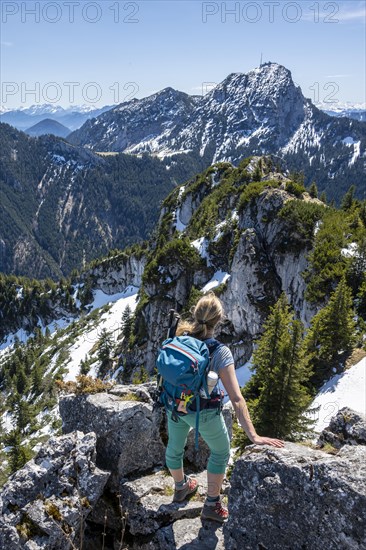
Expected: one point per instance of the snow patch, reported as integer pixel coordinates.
(201, 246)
(348, 141)
(243, 375)
(218, 278)
(347, 389)
(350, 251)
(111, 321)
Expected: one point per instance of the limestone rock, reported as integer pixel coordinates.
(45, 504)
(186, 534)
(155, 522)
(128, 438)
(347, 427)
(149, 501)
(117, 274)
(297, 498)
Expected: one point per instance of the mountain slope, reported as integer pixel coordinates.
(136, 122)
(62, 205)
(260, 112)
(247, 232)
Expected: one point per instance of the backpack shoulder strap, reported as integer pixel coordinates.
(213, 345)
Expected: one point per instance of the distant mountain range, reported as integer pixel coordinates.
(357, 111)
(64, 203)
(48, 126)
(72, 117)
(261, 112)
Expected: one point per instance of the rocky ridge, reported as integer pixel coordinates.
(93, 490)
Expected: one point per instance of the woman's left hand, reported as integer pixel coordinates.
(258, 440)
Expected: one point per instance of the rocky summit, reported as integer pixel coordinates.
(108, 489)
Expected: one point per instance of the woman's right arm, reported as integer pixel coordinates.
(231, 385)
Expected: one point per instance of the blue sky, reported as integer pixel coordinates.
(114, 50)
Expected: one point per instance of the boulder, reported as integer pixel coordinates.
(127, 431)
(297, 498)
(45, 504)
(347, 427)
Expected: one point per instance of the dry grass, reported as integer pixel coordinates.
(355, 357)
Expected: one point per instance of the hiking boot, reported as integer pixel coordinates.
(216, 512)
(188, 488)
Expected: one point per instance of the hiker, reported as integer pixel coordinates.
(207, 313)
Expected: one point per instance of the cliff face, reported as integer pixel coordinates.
(108, 488)
(243, 243)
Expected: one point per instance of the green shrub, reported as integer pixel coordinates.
(253, 190)
(178, 252)
(302, 217)
(295, 188)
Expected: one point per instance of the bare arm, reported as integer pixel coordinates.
(230, 382)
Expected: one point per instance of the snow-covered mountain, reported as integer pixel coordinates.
(356, 111)
(259, 112)
(134, 125)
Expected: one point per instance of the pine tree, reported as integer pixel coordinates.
(21, 381)
(313, 190)
(280, 376)
(127, 320)
(257, 174)
(331, 335)
(19, 454)
(37, 379)
(348, 199)
(323, 197)
(84, 366)
(22, 413)
(104, 353)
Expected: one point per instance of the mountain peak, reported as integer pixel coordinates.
(266, 79)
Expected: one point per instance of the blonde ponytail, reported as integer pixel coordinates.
(206, 314)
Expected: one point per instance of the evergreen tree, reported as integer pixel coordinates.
(37, 379)
(84, 366)
(331, 335)
(104, 353)
(22, 413)
(313, 190)
(323, 197)
(348, 199)
(362, 213)
(127, 321)
(361, 300)
(297, 177)
(21, 381)
(257, 174)
(19, 454)
(279, 382)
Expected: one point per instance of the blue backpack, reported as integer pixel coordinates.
(182, 364)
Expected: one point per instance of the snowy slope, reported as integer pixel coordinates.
(347, 389)
(259, 112)
(75, 348)
(110, 321)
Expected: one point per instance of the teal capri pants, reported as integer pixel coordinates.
(213, 430)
